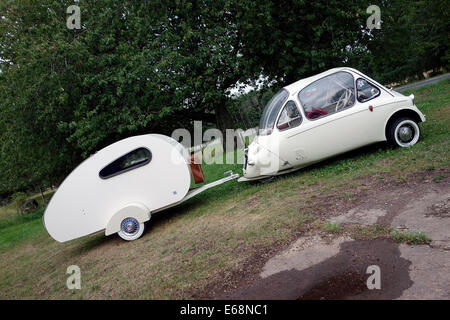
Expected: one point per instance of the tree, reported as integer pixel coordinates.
(289, 40)
(413, 39)
(33, 152)
(133, 67)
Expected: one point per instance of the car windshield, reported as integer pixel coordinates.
(270, 112)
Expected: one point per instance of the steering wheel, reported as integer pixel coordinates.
(344, 99)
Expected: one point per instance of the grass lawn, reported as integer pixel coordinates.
(187, 247)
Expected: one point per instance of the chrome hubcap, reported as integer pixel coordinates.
(130, 225)
(405, 134)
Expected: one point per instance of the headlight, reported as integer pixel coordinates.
(254, 149)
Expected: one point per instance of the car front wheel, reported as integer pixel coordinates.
(403, 132)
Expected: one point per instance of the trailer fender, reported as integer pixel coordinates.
(134, 210)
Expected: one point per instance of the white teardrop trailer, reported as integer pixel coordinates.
(118, 188)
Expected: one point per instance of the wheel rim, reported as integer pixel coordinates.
(407, 133)
(129, 226)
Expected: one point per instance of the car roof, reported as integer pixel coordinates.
(300, 84)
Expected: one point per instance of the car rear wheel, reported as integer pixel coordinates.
(403, 132)
(130, 229)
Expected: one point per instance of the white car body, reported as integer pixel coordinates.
(89, 201)
(355, 125)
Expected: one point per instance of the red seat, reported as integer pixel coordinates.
(315, 113)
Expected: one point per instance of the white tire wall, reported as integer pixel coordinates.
(130, 237)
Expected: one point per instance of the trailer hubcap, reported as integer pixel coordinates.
(130, 226)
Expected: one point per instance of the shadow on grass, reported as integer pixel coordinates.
(91, 242)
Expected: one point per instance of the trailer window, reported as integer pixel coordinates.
(132, 160)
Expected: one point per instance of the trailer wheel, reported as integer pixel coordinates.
(130, 229)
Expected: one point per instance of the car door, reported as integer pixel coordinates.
(332, 121)
(373, 109)
(288, 125)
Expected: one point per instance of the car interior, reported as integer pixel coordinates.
(328, 95)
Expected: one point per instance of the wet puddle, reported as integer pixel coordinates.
(342, 276)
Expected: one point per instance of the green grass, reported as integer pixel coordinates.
(414, 238)
(16, 227)
(369, 232)
(333, 227)
(20, 228)
(372, 232)
(214, 234)
(11, 209)
(439, 178)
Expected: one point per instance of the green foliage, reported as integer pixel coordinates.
(18, 200)
(134, 67)
(246, 108)
(289, 40)
(413, 39)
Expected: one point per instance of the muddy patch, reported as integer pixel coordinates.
(342, 276)
(337, 287)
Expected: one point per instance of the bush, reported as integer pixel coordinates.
(18, 200)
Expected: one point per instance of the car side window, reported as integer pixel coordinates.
(366, 91)
(132, 160)
(326, 96)
(290, 116)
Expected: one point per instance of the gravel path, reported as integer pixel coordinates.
(422, 83)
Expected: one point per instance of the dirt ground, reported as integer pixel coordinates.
(322, 265)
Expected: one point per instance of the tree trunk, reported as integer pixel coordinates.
(224, 120)
(42, 195)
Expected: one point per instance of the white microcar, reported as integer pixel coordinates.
(325, 115)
